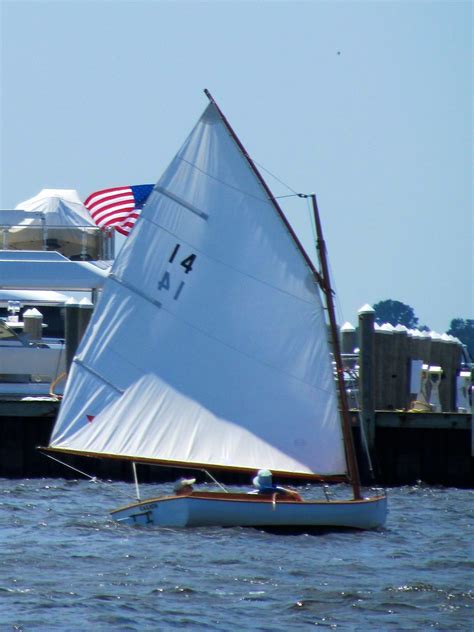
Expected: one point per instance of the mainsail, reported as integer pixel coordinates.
(208, 346)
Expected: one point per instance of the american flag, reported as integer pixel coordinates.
(118, 207)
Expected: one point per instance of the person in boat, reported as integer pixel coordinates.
(184, 487)
(264, 484)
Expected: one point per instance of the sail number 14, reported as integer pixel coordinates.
(187, 263)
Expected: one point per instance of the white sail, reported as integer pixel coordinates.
(209, 344)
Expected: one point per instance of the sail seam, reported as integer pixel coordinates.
(269, 193)
(226, 344)
(224, 264)
(267, 200)
(226, 184)
(158, 304)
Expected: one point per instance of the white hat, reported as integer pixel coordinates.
(183, 482)
(263, 479)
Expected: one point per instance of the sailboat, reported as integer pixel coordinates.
(208, 349)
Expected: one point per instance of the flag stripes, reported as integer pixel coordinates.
(118, 207)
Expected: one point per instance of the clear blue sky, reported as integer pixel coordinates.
(369, 104)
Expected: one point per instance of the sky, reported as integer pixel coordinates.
(367, 104)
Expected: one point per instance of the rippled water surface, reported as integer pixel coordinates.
(64, 565)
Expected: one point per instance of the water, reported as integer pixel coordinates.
(65, 566)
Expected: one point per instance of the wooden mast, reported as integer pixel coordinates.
(345, 417)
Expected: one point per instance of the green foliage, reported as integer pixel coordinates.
(395, 313)
(464, 330)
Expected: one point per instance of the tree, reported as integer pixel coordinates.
(395, 313)
(464, 330)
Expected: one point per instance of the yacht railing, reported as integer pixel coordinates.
(22, 230)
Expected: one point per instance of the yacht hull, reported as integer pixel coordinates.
(208, 509)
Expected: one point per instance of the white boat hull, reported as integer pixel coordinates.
(205, 509)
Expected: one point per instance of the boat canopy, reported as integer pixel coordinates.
(55, 219)
(61, 206)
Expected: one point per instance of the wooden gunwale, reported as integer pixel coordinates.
(247, 497)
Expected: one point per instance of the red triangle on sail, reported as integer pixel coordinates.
(90, 418)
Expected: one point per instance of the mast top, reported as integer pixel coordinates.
(209, 95)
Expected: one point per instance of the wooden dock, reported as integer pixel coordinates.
(408, 447)
(405, 445)
(435, 448)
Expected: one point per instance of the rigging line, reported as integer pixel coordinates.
(269, 199)
(281, 197)
(366, 445)
(216, 481)
(93, 479)
(266, 199)
(275, 177)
